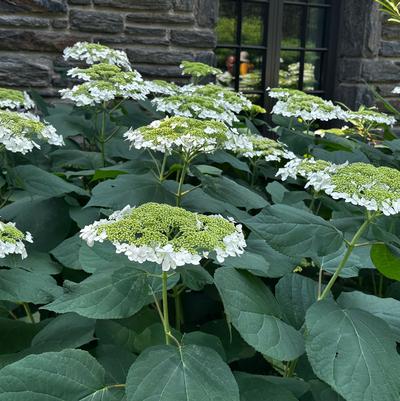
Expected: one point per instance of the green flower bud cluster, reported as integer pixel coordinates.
(180, 133)
(10, 233)
(197, 69)
(161, 224)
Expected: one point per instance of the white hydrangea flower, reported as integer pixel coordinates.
(160, 87)
(15, 100)
(104, 83)
(396, 90)
(12, 240)
(181, 134)
(371, 116)
(167, 235)
(19, 132)
(93, 53)
(361, 184)
(294, 103)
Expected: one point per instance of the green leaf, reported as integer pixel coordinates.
(65, 331)
(295, 294)
(116, 361)
(69, 375)
(256, 388)
(195, 277)
(105, 295)
(227, 190)
(387, 309)
(205, 340)
(235, 347)
(256, 315)
(16, 335)
(49, 229)
(67, 253)
(76, 159)
(386, 261)
(23, 286)
(221, 157)
(322, 392)
(353, 351)
(38, 262)
(39, 182)
(295, 232)
(129, 189)
(187, 373)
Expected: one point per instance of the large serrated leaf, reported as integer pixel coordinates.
(70, 375)
(187, 373)
(354, 352)
(295, 232)
(256, 315)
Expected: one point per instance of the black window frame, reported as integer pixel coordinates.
(272, 44)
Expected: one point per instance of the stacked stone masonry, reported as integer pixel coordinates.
(368, 52)
(156, 34)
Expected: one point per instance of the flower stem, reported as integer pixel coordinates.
(181, 181)
(28, 312)
(167, 329)
(102, 136)
(162, 171)
(350, 247)
(178, 309)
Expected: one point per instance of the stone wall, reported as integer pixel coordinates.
(157, 35)
(368, 51)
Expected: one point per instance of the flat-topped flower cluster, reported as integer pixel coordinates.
(103, 83)
(12, 99)
(168, 235)
(310, 108)
(294, 103)
(362, 184)
(197, 69)
(93, 53)
(12, 240)
(262, 148)
(204, 102)
(180, 134)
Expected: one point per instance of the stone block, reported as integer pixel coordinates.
(136, 31)
(28, 71)
(59, 23)
(206, 12)
(33, 6)
(381, 70)
(390, 48)
(131, 40)
(80, 2)
(160, 18)
(349, 69)
(183, 5)
(136, 4)
(193, 38)
(157, 71)
(24, 22)
(35, 40)
(93, 21)
(354, 95)
(150, 56)
(391, 31)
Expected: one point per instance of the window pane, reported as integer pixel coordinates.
(251, 69)
(292, 22)
(227, 22)
(289, 69)
(315, 27)
(253, 26)
(226, 62)
(312, 70)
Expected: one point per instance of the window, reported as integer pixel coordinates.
(264, 43)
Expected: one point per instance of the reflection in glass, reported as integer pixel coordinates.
(289, 69)
(226, 60)
(312, 71)
(227, 22)
(315, 27)
(253, 27)
(251, 69)
(291, 28)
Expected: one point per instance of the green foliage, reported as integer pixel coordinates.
(304, 313)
